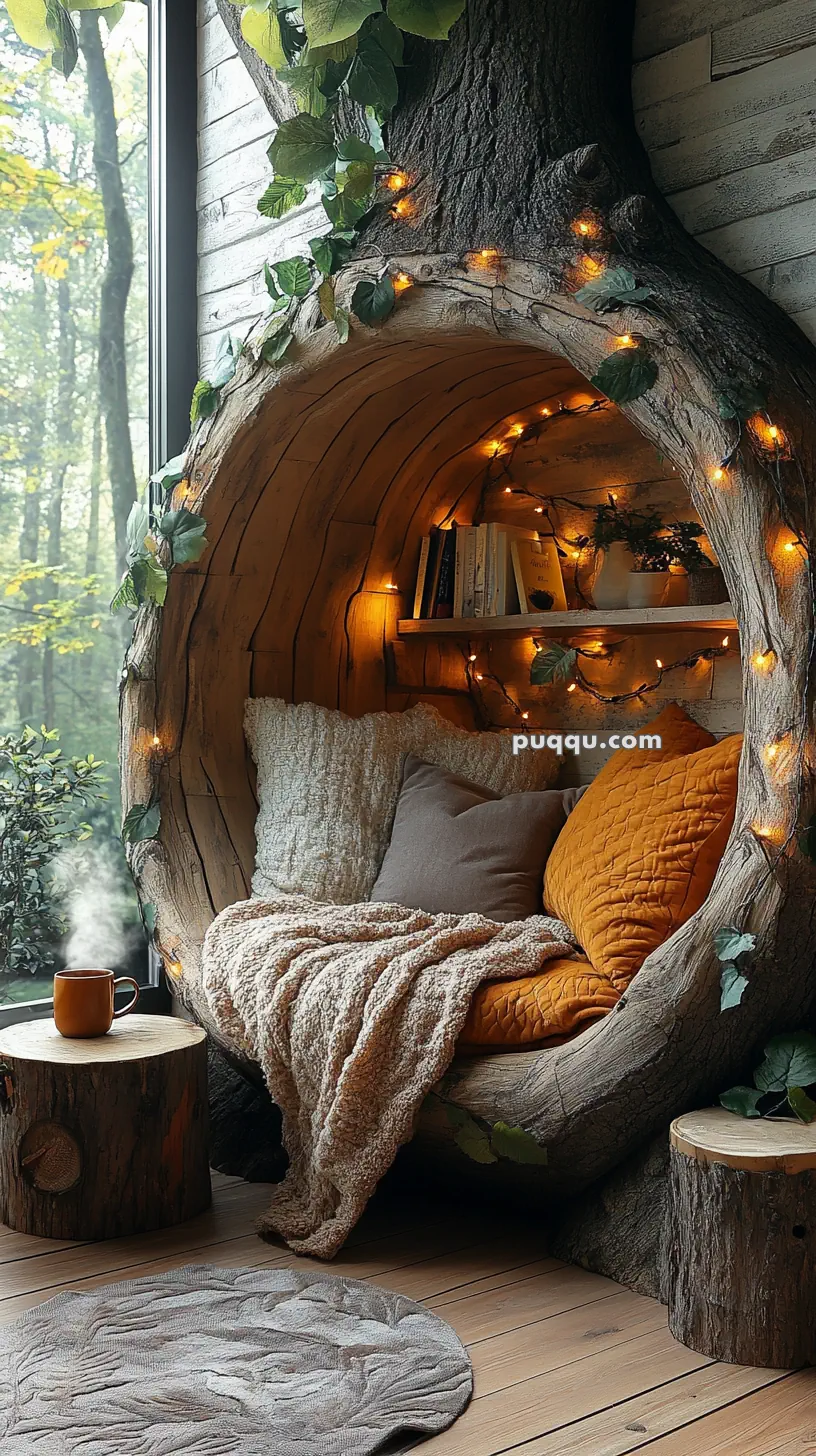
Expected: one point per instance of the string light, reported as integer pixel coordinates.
(659, 663)
(508, 490)
(402, 281)
(725, 642)
(585, 227)
(625, 341)
(173, 967)
(395, 181)
(403, 208)
(763, 661)
(774, 833)
(525, 716)
(156, 740)
(539, 510)
(517, 430)
(391, 586)
(571, 687)
(717, 475)
(546, 411)
(472, 657)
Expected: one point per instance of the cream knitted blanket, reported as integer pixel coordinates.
(352, 1012)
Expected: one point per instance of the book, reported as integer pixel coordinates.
(537, 571)
(468, 569)
(443, 603)
(421, 572)
(479, 571)
(458, 571)
(434, 566)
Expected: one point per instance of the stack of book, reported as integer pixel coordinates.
(491, 570)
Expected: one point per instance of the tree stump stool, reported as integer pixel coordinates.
(742, 1238)
(104, 1136)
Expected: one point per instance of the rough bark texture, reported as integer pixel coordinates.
(518, 127)
(116, 280)
(742, 1263)
(93, 1148)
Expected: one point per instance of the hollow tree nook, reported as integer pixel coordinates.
(520, 183)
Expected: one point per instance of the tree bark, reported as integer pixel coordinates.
(113, 297)
(94, 493)
(27, 657)
(64, 442)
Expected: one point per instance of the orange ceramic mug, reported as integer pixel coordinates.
(83, 1001)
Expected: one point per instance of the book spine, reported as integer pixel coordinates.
(479, 573)
(458, 572)
(522, 595)
(501, 572)
(421, 572)
(490, 570)
(468, 571)
(443, 606)
(432, 573)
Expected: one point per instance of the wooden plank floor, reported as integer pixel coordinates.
(566, 1363)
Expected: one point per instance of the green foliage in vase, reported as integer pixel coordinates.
(42, 795)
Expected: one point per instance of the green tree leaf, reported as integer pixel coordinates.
(330, 21)
(373, 301)
(294, 276)
(357, 180)
(204, 402)
(170, 474)
(803, 1106)
(731, 943)
(281, 196)
(141, 822)
(30, 22)
(743, 1100)
(63, 37)
(262, 31)
(733, 985)
(302, 148)
(325, 297)
(343, 210)
(431, 18)
(341, 323)
(625, 375)
(468, 1135)
(149, 581)
(331, 252)
(387, 35)
(136, 532)
(353, 149)
(516, 1144)
(186, 533)
(372, 80)
(614, 288)
(226, 360)
(275, 347)
(552, 663)
(738, 399)
(790, 1061)
(125, 594)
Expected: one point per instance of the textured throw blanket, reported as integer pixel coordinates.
(352, 1012)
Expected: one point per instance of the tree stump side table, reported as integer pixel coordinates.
(104, 1136)
(742, 1238)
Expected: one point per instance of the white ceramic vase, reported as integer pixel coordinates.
(647, 588)
(677, 591)
(611, 585)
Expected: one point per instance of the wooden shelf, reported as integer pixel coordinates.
(719, 618)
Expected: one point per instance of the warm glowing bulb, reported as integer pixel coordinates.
(545, 411)
(402, 208)
(576, 555)
(539, 510)
(613, 494)
(391, 586)
(571, 688)
(790, 545)
(772, 832)
(771, 750)
(472, 657)
(396, 181)
(659, 663)
(508, 490)
(173, 967)
(625, 341)
(763, 661)
(480, 677)
(525, 716)
(156, 740)
(725, 642)
(718, 474)
(403, 281)
(517, 430)
(773, 431)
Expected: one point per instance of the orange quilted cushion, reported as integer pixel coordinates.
(638, 854)
(563, 998)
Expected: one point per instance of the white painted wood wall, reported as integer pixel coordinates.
(725, 92)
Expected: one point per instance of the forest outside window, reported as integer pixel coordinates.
(74, 435)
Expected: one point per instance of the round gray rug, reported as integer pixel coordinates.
(261, 1362)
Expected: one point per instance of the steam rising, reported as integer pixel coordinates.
(97, 906)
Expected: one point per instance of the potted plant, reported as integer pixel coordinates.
(609, 537)
(706, 584)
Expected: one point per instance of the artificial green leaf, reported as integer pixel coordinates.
(372, 79)
(113, 14)
(141, 822)
(136, 532)
(330, 21)
(357, 180)
(91, 4)
(30, 22)
(553, 663)
(731, 943)
(262, 32)
(186, 533)
(281, 196)
(149, 917)
(625, 375)
(375, 136)
(341, 50)
(125, 594)
(332, 76)
(733, 985)
(738, 399)
(516, 1144)
(63, 37)
(149, 581)
(325, 297)
(431, 18)
(225, 362)
(803, 1106)
(294, 276)
(790, 1061)
(386, 35)
(743, 1100)
(331, 252)
(468, 1135)
(373, 300)
(341, 323)
(204, 402)
(614, 288)
(275, 347)
(170, 473)
(354, 149)
(343, 210)
(302, 148)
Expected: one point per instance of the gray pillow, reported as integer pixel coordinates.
(458, 847)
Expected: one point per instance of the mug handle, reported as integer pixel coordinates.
(126, 981)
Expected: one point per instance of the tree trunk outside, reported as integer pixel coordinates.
(94, 491)
(27, 658)
(64, 440)
(113, 387)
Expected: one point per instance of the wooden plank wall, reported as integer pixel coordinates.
(725, 92)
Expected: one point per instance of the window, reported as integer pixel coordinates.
(87, 408)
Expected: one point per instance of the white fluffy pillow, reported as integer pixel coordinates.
(328, 787)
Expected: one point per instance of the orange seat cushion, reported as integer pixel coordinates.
(638, 854)
(564, 997)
